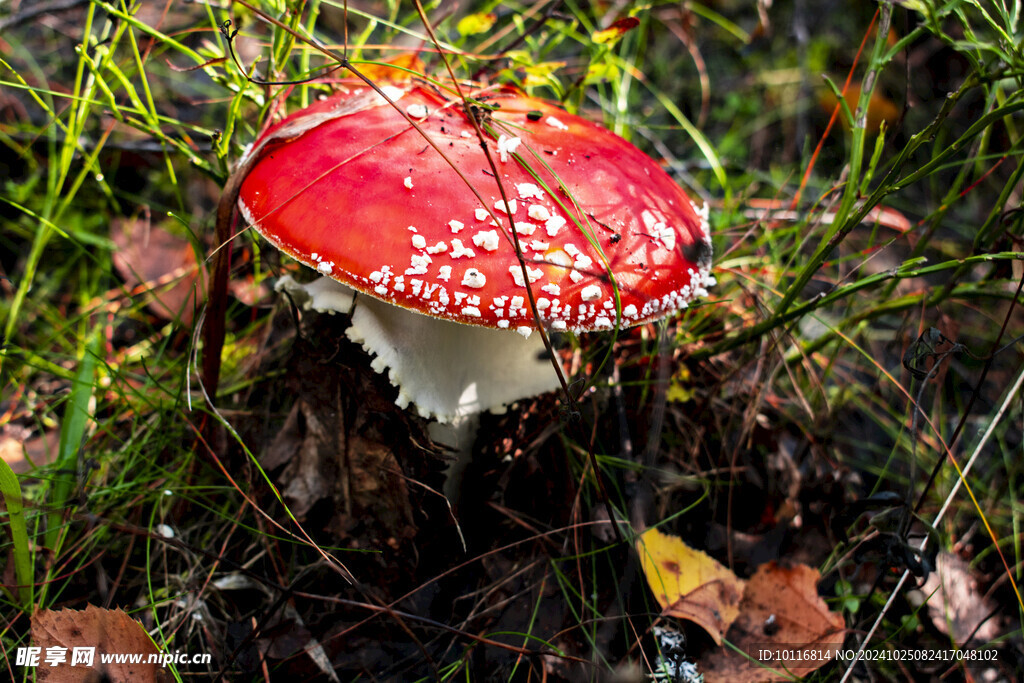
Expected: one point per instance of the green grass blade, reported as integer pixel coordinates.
(72, 432)
(11, 491)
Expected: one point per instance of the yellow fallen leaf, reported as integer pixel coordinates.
(472, 24)
(689, 584)
(680, 388)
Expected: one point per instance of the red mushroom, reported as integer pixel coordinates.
(351, 189)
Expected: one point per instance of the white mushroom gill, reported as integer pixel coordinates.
(447, 370)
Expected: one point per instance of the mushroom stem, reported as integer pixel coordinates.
(459, 436)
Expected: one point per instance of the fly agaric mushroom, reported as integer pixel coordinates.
(350, 188)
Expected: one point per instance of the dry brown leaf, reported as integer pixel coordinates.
(305, 444)
(956, 605)
(162, 264)
(781, 611)
(330, 449)
(109, 632)
(322, 461)
(688, 583)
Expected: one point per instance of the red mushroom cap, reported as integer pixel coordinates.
(350, 188)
